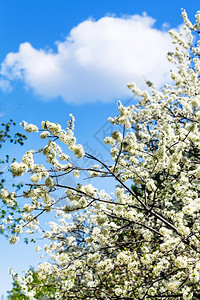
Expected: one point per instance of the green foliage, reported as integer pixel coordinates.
(43, 292)
(6, 136)
(16, 292)
(8, 212)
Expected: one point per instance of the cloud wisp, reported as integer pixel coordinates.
(95, 61)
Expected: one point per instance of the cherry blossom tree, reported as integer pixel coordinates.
(142, 241)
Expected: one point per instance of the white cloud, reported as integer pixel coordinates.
(5, 85)
(95, 62)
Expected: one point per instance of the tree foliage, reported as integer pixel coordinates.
(17, 292)
(6, 136)
(142, 241)
(7, 211)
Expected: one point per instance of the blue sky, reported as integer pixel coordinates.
(62, 57)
